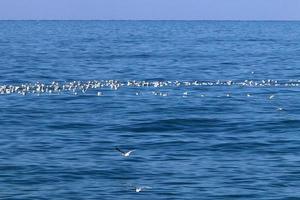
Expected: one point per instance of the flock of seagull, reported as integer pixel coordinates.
(93, 87)
(76, 87)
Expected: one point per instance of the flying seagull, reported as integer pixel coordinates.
(125, 154)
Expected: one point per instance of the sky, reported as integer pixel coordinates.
(150, 9)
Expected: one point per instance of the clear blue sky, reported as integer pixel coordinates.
(151, 9)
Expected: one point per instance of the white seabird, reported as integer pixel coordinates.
(139, 189)
(272, 96)
(125, 154)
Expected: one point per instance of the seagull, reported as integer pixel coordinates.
(125, 154)
(272, 96)
(139, 189)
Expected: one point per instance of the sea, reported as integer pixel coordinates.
(210, 108)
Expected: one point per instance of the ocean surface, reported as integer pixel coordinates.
(211, 108)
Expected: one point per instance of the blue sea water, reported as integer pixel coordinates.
(211, 108)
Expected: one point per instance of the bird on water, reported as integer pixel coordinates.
(140, 189)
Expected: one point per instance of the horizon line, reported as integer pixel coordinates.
(295, 20)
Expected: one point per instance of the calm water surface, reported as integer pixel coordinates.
(211, 108)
